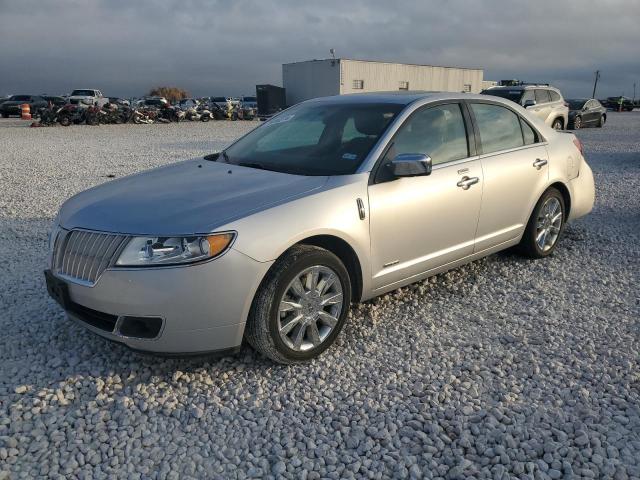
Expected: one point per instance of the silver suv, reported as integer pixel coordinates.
(543, 101)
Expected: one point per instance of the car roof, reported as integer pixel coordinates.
(397, 97)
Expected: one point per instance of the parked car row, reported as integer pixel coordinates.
(151, 110)
(11, 106)
(548, 104)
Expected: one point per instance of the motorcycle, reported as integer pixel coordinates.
(49, 115)
(206, 113)
(71, 113)
(192, 114)
(241, 113)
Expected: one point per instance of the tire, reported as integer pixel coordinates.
(64, 120)
(557, 124)
(577, 123)
(530, 243)
(205, 118)
(264, 322)
(5, 115)
(601, 121)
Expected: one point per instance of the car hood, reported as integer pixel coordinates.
(196, 196)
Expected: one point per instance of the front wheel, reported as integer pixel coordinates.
(601, 121)
(64, 120)
(577, 123)
(301, 305)
(545, 225)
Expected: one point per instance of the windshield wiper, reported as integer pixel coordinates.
(253, 165)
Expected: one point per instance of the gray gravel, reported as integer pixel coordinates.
(504, 368)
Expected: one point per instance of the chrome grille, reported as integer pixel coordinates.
(83, 256)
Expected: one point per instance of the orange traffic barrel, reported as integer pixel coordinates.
(26, 111)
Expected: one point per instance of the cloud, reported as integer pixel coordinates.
(226, 47)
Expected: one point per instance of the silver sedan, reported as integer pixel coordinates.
(335, 200)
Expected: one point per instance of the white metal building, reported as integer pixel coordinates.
(319, 78)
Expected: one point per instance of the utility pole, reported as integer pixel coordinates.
(595, 84)
(634, 93)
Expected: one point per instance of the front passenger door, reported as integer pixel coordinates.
(424, 222)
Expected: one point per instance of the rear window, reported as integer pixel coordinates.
(83, 93)
(499, 127)
(542, 96)
(513, 95)
(555, 96)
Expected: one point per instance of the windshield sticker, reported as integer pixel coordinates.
(282, 119)
(349, 156)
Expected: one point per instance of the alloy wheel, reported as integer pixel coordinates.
(310, 308)
(577, 123)
(548, 225)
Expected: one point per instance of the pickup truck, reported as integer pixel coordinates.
(87, 96)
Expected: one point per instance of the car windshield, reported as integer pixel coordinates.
(576, 104)
(83, 93)
(314, 139)
(513, 95)
(20, 98)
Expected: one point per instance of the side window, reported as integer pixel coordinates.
(528, 134)
(542, 96)
(437, 131)
(555, 96)
(499, 127)
(527, 95)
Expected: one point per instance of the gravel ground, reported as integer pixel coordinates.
(504, 368)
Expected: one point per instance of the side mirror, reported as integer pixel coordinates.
(410, 165)
(529, 103)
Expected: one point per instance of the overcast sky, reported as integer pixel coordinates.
(124, 47)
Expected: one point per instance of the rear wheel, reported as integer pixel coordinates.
(301, 305)
(545, 225)
(64, 120)
(557, 124)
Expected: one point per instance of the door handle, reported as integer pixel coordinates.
(466, 182)
(539, 163)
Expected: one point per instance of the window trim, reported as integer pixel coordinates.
(469, 129)
(541, 139)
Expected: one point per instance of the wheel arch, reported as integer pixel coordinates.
(566, 196)
(347, 255)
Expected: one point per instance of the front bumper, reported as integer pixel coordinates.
(202, 308)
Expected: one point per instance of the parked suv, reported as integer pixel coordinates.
(543, 101)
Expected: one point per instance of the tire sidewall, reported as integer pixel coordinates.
(577, 123)
(319, 257)
(552, 192)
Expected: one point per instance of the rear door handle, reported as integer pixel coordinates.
(466, 182)
(539, 163)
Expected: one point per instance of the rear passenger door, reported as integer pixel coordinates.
(513, 156)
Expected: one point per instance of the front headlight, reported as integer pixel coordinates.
(158, 251)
